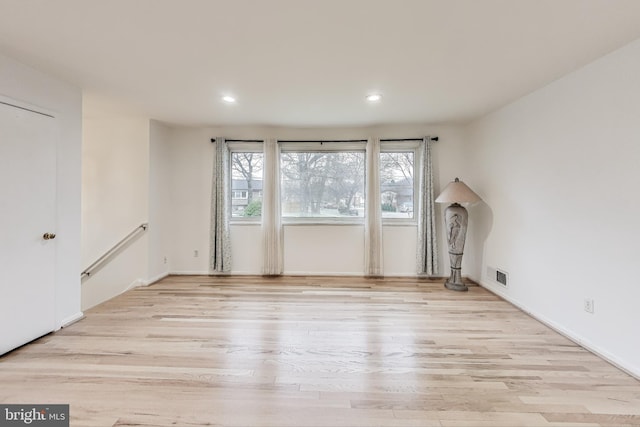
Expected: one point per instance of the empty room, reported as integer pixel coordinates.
(319, 213)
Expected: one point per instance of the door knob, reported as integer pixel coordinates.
(48, 236)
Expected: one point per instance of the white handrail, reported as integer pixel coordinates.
(89, 270)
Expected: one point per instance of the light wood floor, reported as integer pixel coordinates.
(249, 351)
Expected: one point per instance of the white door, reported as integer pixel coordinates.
(27, 212)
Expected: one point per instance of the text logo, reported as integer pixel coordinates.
(34, 415)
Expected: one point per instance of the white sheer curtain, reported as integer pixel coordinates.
(220, 242)
(373, 261)
(272, 264)
(427, 245)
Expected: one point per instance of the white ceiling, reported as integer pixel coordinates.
(311, 63)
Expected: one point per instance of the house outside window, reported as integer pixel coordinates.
(237, 194)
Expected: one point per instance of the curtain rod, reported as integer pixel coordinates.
(240, 140)
(435, 138)
(322, 140)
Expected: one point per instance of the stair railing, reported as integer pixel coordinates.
(99, 263)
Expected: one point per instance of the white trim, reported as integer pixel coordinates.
(319, 274)
(71, 320)
(399, 224)
(238, 221)
(245, 220)
(324, 273)
(135, 284)
(25, 105)
(392, 274)
(307, 146)
(191, 273)
(329, 220)
(400, 221)
(576, 338)
(156, 279)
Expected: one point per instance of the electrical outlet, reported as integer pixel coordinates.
(165, 260)
(588, 305)
(195, 253)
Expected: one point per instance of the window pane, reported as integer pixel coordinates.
(396, 184)
(323, 184)
(246, 184)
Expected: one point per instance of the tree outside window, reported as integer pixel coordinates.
(397, 184)
(322, 184)
(246, 184)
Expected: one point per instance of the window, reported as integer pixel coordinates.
(323, 184)
(397, 184)
(246, 184)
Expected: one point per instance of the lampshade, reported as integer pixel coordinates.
(457, 192)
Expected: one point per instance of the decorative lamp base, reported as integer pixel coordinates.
(456, 219)
(461, 287)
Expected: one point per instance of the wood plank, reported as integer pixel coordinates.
(316, 351)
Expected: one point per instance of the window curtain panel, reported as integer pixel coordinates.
(427, 259)
(373, 260)
(272, 264)
(220, 241)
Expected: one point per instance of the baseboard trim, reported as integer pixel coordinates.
(189, 273)
(570, 335)
(135, 284)
(467, 280)
(253, 273)
(320, 274)
(156, 279)
(68, 321)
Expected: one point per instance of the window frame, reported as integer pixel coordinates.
(243, 147)
(317, 147)
(405, 147)
(352, 146)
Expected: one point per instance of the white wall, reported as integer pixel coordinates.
(400, 244)
(159, 201)
(559, 171)
(321, 249)
(115, 200)
(26, 84)
(324, 249)
(191, 156)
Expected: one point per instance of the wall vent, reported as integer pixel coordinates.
(501, 277)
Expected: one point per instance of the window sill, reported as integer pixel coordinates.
(401, 223)
(304, 222)
(245, 222)
(322, 221)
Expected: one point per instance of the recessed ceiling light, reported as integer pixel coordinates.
(374, 97)
(229, 99)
